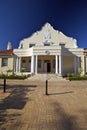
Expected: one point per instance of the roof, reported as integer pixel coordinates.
(6, 52)
(85, 50)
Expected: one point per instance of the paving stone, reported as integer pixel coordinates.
(26, 107)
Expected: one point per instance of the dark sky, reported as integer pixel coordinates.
(20, 18)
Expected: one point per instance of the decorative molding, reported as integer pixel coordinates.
(47, 52)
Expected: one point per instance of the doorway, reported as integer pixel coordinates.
(48, 67)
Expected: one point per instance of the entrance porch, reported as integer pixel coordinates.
(57, 64)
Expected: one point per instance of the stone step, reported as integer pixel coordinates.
(43, 77)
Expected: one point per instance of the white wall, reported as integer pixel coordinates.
(5, 68)
(53, 36)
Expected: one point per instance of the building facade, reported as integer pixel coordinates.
(49, 51)
(6, 60)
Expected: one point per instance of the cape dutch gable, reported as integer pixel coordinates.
(50, 35)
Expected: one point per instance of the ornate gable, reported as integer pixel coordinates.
(48, 35)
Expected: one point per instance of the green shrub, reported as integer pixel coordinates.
(9, 70)
(80, 70)
(78, 78)
(73, 75)
(22, 70)
(2, 76)
(14, 76)
(68, 74)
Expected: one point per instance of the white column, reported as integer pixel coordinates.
(85, 64)
(17, 64)
(56, 64)
(78, 62)
(60, 65)
(75, 64)
(36, 65)
(32, 64)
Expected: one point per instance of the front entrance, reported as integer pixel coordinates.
(47, 66)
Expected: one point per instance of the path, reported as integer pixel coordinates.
(26, 107)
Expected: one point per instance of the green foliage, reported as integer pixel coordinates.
(2, 76)
(9, 70)
(68, 74)
(77, 78)
(73, 75)
(22, 70)
(80, 70)
(14, 76)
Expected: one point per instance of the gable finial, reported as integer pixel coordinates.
(9, 45)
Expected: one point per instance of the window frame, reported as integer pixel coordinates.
(31, 45)
(4, 62)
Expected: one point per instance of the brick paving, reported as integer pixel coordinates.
(25, 106)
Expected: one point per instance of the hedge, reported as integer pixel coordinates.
(2, 76)
(77, 78)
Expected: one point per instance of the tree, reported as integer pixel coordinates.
(80, 70)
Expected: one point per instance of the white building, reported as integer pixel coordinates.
(46, 51)
(49, 51)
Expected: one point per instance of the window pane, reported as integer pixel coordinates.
(31, 45)
(4, 61)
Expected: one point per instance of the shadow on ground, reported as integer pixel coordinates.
(67, 92)
(65, 121)
(61, 120)
(16, 100)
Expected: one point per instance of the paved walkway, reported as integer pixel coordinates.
(25, 106)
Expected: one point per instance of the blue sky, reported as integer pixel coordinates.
(20, 18)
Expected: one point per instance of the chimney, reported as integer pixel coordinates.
(9, 46)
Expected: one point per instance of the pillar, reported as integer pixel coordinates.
(75, 64)
(32, 64)
(78, 62)
(60, 65)
(17, 64)
(85, 64)
(56, 64)
(36, 65)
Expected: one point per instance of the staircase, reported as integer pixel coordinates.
(44, 77)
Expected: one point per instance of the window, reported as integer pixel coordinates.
(21, 45)
(31, 45)
(46, 44)
(4, 62)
